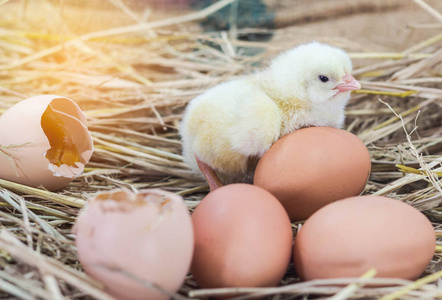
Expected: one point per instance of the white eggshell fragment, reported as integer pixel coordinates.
(134, 243)
(44, 141)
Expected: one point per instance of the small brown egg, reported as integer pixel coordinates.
(312, 167)
(44, 141)
(348, 237)
(243, 238)
(139, 245)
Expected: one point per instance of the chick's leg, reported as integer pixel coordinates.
(210, 175)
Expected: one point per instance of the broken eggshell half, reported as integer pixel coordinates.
(44, 141)
(140, 245)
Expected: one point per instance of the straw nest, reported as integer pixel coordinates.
(133, 82)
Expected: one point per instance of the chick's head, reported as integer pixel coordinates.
(314, 73)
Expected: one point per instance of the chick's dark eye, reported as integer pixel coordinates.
(323, 78)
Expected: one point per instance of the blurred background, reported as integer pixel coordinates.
(369, 24)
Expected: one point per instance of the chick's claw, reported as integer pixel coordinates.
(210, 175)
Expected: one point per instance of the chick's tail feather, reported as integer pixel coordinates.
(210, 175)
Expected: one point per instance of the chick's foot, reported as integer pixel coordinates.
(210, 175)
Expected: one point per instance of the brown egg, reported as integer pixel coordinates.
(348, 237)
(312, 167)
(243, 238)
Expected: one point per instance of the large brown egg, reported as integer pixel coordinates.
(348, 237)
(243, 238)
(312, 167)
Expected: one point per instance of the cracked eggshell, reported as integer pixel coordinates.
(149, 236)
(44, 141)
(350, 236)
(243, 238)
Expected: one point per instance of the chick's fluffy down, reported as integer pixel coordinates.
(224, 128)
(231, 125)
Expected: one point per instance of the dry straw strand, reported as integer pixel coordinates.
(133, 81)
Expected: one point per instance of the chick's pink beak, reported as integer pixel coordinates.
(349, 84)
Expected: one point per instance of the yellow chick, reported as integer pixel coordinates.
(230, 126)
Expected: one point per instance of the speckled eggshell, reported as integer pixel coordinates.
(243, 238)
(125, 238)
(348, 237)
(312, 167)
